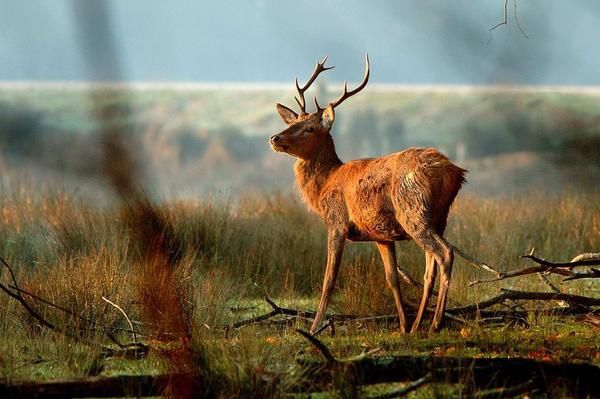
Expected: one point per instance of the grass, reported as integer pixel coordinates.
(232, 253)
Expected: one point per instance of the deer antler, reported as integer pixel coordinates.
(300, 99)
(348, 94)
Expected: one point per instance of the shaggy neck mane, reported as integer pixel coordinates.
(312, 174)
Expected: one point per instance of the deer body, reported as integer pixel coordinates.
(402, 196)
(366, 194)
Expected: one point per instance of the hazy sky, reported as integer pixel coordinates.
(434, 41)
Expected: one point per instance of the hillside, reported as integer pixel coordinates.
(198, 139)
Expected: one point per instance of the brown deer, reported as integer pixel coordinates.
(402, 196)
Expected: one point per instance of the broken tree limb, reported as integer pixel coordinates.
(405, 390)
(120, 309)
(319, 345)
(279, 310)
(527, 296)
(545, 267)
(473, 310)
(479, 373)
(71, 313)
(98, 387)
(16, 292)
(585, 259)
(473, 261)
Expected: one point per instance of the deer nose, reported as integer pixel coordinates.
(275, 138)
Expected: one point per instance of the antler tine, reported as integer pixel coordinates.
(319, 109)
(346, 94)
(320, 67)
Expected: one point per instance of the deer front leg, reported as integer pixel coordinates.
(335, 248)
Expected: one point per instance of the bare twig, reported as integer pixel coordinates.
(547, 282)
(474, 262)
(515, 273)
(507, 392)
(579, 379)
(517, 20)
(546, 267)
(407, 278)
(133, 333)
(456, 313)
(528, 296)
(108, 330)
(322, 328)
(16, 294)
(279, 310)
(319, 345)
(405, 390)
(587, 259)
(504, 22)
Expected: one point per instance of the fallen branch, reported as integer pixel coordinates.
(99, 387)
(476, 309)
(279, 310)
(585, 259)
(546, 267)
(526, 296)
(133, 333)
(405, 390)
(319, 345)
(479, 373)
(473, 261)
(16, 292)
(93, 323)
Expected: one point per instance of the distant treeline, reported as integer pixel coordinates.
(222, 137)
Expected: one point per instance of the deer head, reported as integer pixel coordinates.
(306, 131)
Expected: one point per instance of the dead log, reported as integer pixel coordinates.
(580, 379)
(527, 296)
(99, 387)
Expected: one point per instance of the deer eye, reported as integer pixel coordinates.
(309, 129)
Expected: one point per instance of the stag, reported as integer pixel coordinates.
(402, 196)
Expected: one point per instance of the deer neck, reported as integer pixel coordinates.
(313, 174)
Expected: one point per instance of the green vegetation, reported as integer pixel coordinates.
(232, 254)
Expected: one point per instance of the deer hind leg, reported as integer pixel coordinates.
(442, 252)
(428, 283)
(447, 258)
(436, 246)
(388, 255)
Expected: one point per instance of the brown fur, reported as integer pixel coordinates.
(402, 196)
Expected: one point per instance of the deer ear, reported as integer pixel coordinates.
(327, 117)
(286, 114)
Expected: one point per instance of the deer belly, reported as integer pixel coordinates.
(380, 229)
